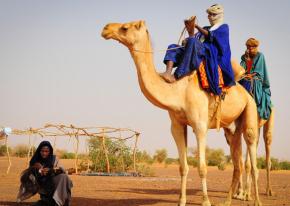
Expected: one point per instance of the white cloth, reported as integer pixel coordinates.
(215, 9)
(218, 14)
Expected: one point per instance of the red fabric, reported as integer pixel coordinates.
(249, 65)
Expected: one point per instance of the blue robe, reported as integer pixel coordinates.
(215, 50)
(259, 87)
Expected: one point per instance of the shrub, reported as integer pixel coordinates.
(144, 157)
(215, 157)
(3, 150)
(222, 166)
(284, 165)
(145, 170)
(67, 155)
(119, 155)
(274, 164)
(160, 155)
(192, 161)
(20, 150)
(261, 163)
(169, 161)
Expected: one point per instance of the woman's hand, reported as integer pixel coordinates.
(37, 165)
(44, 171)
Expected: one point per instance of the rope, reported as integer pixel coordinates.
(216, 112)
(165, 50)
(250, 78)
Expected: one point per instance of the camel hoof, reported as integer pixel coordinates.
(258, 203)
(226, 203)
(182, 202)
(247, 197)
(239, 196)
(269, 192)
(206, 203)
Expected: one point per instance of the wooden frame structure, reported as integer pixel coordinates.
(73, 132)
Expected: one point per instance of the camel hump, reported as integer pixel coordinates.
(238, 70)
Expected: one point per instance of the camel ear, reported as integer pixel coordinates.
(139, 24)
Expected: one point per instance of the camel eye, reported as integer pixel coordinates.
(124, 29)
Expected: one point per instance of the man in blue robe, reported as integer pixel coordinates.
(257, 82)
(210, 44)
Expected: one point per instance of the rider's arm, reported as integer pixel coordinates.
(202, 30)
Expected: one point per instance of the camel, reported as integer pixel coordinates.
(268, 126)
(189, 105)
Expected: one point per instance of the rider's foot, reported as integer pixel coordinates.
(168, 77)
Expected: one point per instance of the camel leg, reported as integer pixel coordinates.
(247, 193)
(200, 133)
(251, 137)
(248, 168)
(234, 140)
(250, 134)
(179, 132)
(268, 134)
(229, 134)
(240, 191)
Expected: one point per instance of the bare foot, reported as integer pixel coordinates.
(168, 77)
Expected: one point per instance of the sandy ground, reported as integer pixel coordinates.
(160, 190)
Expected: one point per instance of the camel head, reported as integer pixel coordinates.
(130, 34)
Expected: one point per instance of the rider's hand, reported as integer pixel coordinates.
(190, 25)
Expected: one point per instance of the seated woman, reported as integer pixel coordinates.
(54, 184)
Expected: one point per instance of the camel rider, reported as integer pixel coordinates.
(211, 45)
(256, 81)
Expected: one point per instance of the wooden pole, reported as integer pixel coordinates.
(105, 151)
(134, 152)
(122, 152)
(8, 155)
(76, 152)
(29, 150)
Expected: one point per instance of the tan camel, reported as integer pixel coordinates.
(188, 104)
(268, 126)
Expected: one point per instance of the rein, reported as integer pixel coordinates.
(164, 50)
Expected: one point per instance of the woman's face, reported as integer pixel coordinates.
(44, 152)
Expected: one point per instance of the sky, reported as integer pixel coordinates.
(56, 68)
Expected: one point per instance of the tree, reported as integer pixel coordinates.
(160, 155)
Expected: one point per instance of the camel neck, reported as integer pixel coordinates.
(155, 89)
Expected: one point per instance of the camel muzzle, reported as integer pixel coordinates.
(106, 34)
